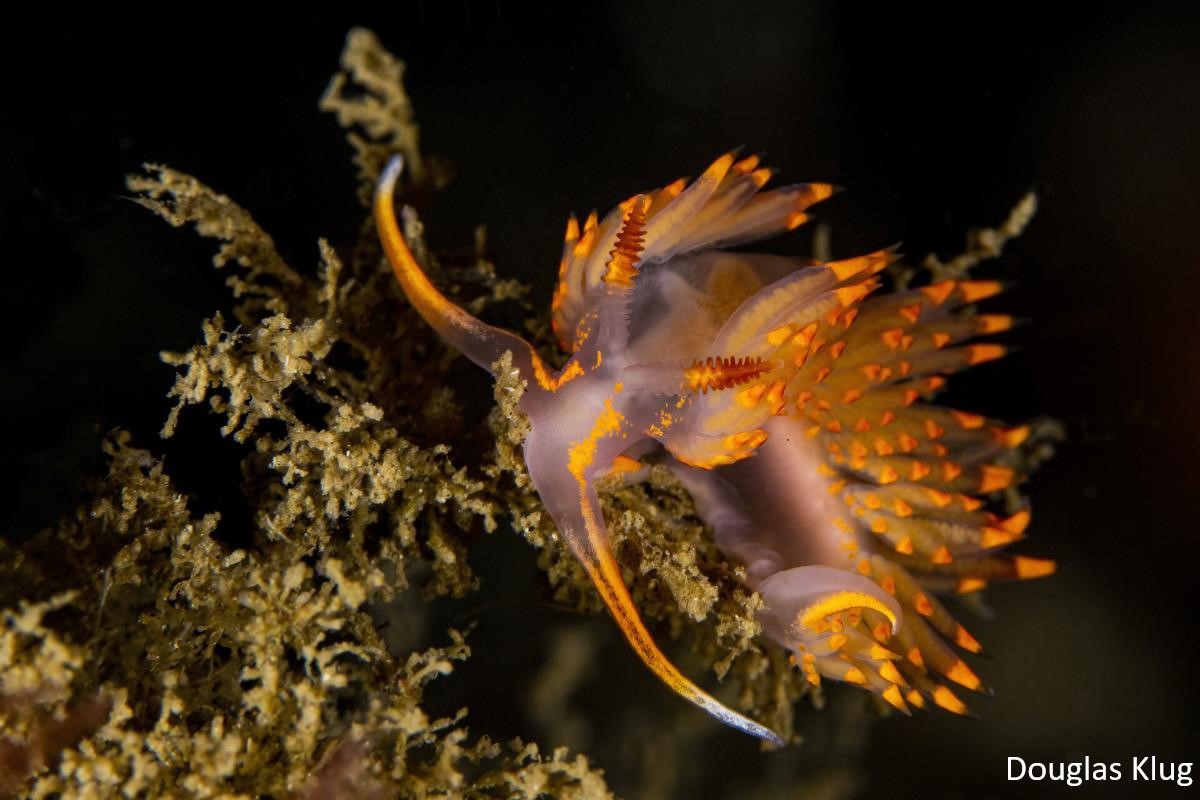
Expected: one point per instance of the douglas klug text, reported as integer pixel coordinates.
(1075, 773)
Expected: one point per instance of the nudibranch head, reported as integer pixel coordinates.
(791, 401)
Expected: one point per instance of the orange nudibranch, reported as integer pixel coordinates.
(794, 403)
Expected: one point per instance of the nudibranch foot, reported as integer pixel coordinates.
(796, 406)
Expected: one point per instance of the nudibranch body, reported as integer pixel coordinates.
(791, 404)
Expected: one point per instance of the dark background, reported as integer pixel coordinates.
(935, 123)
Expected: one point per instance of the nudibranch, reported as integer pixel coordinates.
(794, 405)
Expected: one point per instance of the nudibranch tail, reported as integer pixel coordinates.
(478, 341)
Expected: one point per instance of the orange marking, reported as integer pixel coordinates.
(779, 335)
(888, 475)
(968, 585)
(961, 674)
(907, 443)
(551, 382)
(933, 430)
(871, 371)
(581, 454)
(862, 426)
(941, 499)
(947, 700)
(626, 464)
(669, 192)
(834, 426)
(879, 525)
(968, 421)
(919, 470)
(979, 353)
(881, 653)
(978, 290)
(910, 397)
(965, 640)
(804, 336)
(993, 478)
(888, 671)
(744, 166)
(848, 295)
(950, 470)
(911, 313)
(760, 177)
(914, 655)
(835, 350)
(892, 338)
(902, 508)
(1017, 523)
(848, 318)
(993, 323)
(1014, 436)
(882, 448)
(940, 340)
(893, 697)
(887, 418)
(942, 556)
(938, 292)
(750, 396)
(888, 584)
(775, 394)
(905, 546)
(822, 374)
(851, 395)
(572, 229)
(1034, 567)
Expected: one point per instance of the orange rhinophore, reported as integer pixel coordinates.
(623, 258)
(715, 374)
(811, 444)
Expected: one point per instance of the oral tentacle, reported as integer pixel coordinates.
(579, 520)
(482, 343)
